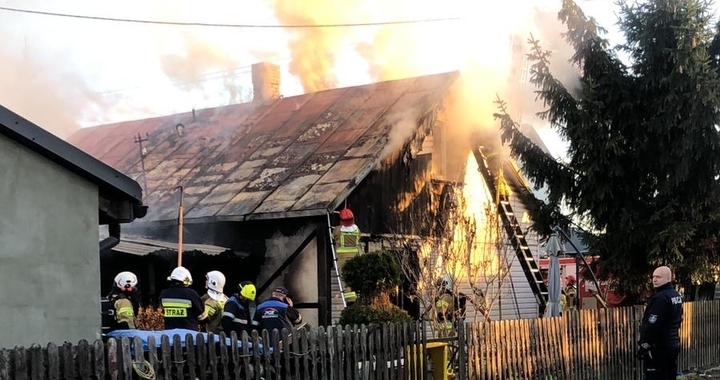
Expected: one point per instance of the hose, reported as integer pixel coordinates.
(144, 369)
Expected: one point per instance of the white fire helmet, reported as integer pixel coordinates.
(126, 281)
(215, 281)
(181, 274)
(446, 283)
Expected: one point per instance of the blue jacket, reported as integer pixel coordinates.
(276, 314)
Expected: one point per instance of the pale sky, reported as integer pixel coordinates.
(67, 72)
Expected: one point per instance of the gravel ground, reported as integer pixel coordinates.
(710, 374)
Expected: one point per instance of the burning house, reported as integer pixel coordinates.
(265, 179)
(54, 196)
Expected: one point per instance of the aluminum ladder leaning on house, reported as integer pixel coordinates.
(335, 260)
(515, 233)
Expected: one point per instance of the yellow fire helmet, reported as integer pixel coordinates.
(248, 291)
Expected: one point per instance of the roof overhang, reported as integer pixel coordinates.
(143, 246)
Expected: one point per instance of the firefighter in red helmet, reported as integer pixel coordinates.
(347, 246)
(570, 293)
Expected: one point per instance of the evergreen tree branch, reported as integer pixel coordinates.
(644, 146)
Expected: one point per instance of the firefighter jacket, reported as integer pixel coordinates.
(182, 307)
(570, 298)
(347, 239)
(662, 318)
(236, 316)
(276, 314)
(124, 311)
(503, 188)
(451, 307)
(212, 315)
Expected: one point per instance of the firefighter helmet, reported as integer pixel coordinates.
(446, 283)
(215, 281)
(248, 290)
(346, 217)
(570, 280)
(181, 274)
(126, 281)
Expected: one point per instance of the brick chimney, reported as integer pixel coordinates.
(266, 81)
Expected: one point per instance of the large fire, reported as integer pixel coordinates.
(478, 44)
(484, 257)
(470, 251)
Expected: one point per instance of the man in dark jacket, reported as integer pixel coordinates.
(237, 315)
(659, 333)
(277, 312)
(714, 50)
(182, 307)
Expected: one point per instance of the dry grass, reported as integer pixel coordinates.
(150, 318)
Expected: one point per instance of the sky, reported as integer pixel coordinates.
(66, 73)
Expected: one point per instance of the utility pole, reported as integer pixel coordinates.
(143, 151)
(180, 228)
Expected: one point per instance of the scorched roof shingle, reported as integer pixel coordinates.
(287, 157)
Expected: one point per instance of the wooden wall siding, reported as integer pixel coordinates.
(586, 344)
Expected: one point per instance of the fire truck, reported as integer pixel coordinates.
(588, 295)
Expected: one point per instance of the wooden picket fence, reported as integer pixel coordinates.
(376, 352)
(580, 345)
(589, 344)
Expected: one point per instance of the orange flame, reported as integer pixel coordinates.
(487, 45)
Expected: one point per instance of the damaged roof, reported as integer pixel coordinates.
(287, 157)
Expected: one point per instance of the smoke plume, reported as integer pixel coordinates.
(40, 85)
(196, 58)
(488, 47)
(548, 31)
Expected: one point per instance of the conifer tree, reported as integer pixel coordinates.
(644, 147)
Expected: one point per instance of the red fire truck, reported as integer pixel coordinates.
(586, 289)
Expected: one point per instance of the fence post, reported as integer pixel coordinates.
(68, 365)
(126, 359)
(37, 362)
(53, 362)
(637, 321)
(99, 359)
(462, 350)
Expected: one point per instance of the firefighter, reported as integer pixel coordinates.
(277, 312)
(570, 292)
(237, 313)
(450, 306)
(182, 306)
(123, 300)
(347, 246)
(214, 302)
(659, 344)
(503, 189)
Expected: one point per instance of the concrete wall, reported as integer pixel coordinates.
(49, 263)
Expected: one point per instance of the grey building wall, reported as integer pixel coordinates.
(49, 263)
